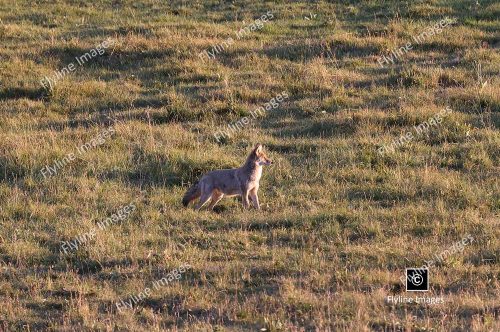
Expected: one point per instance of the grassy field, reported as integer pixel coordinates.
(343, 214)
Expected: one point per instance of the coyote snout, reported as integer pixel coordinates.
(242, 181)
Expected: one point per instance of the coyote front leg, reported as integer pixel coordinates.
(255, 198)
(244, 197)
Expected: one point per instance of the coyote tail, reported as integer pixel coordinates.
(193, 193)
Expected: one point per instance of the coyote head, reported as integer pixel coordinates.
(259, 157)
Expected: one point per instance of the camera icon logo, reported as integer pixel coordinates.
(417, 279)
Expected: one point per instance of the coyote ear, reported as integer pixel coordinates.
(258, 148)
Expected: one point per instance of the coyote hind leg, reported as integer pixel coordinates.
(216, 197)
(205, 196)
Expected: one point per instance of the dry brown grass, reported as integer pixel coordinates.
(339, 222)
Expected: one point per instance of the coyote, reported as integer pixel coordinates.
(242, 181)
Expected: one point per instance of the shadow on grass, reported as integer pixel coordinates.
(315, 128)
(178, 315)
(154, 169)
(83, 265)
(19, 93)
(118, 60)
(304, 52)
(383, 195)
(154, 111)
(11, 170)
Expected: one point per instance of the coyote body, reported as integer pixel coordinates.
(242, 181)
